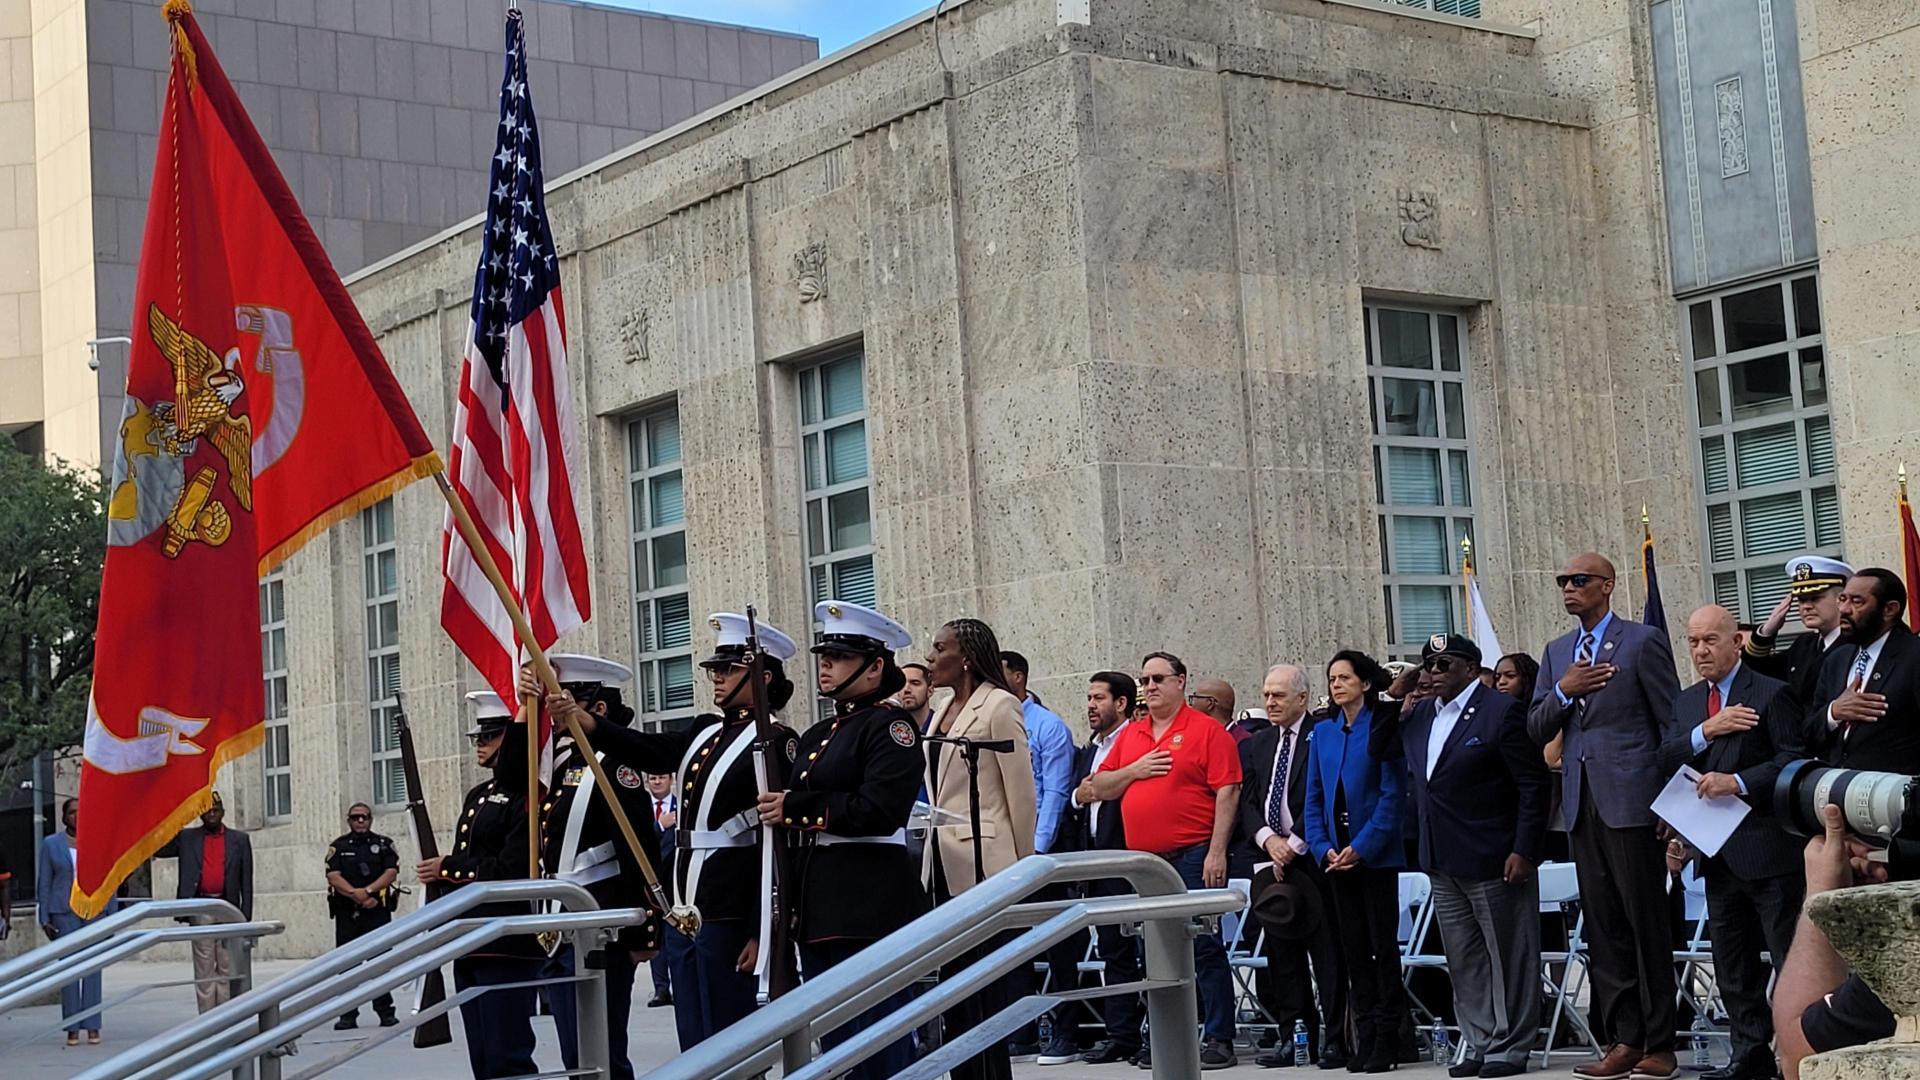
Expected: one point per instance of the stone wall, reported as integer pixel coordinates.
(19, 224)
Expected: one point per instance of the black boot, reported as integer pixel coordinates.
(1362, 1049)
(1383, 1054)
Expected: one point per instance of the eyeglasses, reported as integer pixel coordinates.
(1195, 699)
(1438, 664)
(1156, 680)
(1578, 581)
(359, 817)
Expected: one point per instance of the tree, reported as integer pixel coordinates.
(53, 534)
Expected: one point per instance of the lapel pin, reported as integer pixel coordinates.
(1608, 645)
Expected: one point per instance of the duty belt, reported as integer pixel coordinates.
(826, 839)
(737, 831)
(594, 864)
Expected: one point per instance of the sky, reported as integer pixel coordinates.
(837, 23)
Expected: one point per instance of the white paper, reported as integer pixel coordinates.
(1706, 823)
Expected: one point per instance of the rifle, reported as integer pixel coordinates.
(433, 987)
(776, 968)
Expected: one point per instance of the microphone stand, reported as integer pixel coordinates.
(970, 751)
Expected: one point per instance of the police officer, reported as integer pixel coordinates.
(361, 866)
(1813, 588)
(582, 843)
(847, 807)
(717, 864)
(490, 844)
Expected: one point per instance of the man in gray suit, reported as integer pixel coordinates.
(215, 861)
(1609, 685)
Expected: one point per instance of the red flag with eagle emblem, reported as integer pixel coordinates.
(259, 412)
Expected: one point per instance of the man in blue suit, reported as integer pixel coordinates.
(1609, 685)
(1481, 790)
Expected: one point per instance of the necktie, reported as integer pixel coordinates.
(1713, 701)
(1860, 665)
(1584, 654)
(659, 810)
(1277, 794)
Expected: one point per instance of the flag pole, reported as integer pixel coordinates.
(470, 533)
(1466, 571)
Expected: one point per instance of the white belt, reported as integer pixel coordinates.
(594, 864)
(709, 839)
(826, 839)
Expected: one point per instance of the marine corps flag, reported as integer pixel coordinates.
(259, 412)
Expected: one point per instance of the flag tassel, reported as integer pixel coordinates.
(483, 557)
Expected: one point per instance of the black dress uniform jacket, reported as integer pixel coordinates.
(1758, 847)
(1890, 744)
(361, 858)
(1798, 665)
(856, 775)
(729, 885)
(572, 779)
(490, 844)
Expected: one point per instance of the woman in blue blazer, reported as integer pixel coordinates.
(1354, 805)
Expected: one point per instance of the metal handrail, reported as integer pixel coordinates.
(324, 978)
(848, 989)
(113, 950)
(212, 909)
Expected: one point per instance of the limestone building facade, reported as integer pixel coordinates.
(1210, 326)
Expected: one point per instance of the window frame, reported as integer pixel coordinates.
(276, 757)
(383, 754)
(810, 389)
(1749, 605)
(642, 474)
(1451, 514)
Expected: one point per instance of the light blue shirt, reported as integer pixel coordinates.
(1699, 739)
(1599, 636)
(1050, 743)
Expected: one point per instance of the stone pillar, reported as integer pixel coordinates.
(1877, 928)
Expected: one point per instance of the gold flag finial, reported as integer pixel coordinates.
(1646, 523)
(174, 11)
(1903, 480)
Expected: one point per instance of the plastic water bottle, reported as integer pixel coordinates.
(1442, 1045)
(1702, 1057)
(1300, 1055)
(1045, 1030)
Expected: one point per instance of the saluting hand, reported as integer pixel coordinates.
(1731, 720)
(1857, 706)
(1777, 618)
(773, 808)
(1583, 679)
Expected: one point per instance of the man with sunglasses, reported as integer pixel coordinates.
(361, 866)
(1481, 791)
(1609, 685)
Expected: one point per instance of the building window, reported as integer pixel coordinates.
(278, 759)
(833, 443)
(663, 625)
(1422, 468)
(380, 574)
(1466, 8)
(1765, 447)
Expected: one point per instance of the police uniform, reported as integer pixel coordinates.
(848, 804)
(361, 859)
(718, 862)
(582, 843)
(490, 844)
(1798, 665)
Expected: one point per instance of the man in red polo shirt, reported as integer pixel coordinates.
(1177, 775)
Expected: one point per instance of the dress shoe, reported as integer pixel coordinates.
(1494, 1070)
(346, 1023)
(1333, 1057)
(1660, 1066)
(1106, 1052)
(1143, 1059)
(1383, 1058)
(1217, 1054)
(1275, 1059)
(1267, 1040)
(657, 1000)
(389, 1020)
(1616, 1064)
(1469, 1067)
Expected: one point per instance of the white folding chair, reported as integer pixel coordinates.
(1560, 885)
(1244, 959)
(1416, 926)
(1697, 983)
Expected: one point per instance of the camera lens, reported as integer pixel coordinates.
(1873, 805)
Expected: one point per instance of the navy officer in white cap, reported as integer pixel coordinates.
(582, 843)
(717, 864)
(1813, 587)
(855, 780)
(490, 844)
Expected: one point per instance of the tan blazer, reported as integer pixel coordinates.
(1006, 792)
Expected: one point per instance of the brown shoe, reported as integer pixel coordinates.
(1617, 1064)
(1660, 1066)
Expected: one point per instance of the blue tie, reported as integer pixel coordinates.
(1277, 794)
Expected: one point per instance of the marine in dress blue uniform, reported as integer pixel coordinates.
(718, 865)
(856, 778)
(490, 844)
(581, 843)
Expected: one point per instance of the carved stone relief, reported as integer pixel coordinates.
(1730, 121)
(634, 331)
(1420, 218)
(810, 272)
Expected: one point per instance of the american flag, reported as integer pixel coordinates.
(514, 456)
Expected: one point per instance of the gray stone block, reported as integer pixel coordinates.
(546, 88)
(643, 101)
(550, 32)
(334, 15)
(476, 80)
(610, 97)
(393, 69)
(358, 72)
(360, 188)
(319, 60)
(432, 75)
(133, 218)
(723, 55)
(624, 49)
(590, 44)
(99, 96)
(299, 120)
(486, 26)
(411, 21)
(342, 238)
(707, 94)
(574, 99)
(379, 129)
(110, 33)
(656, 45)
(790, 53)
(447, 20)
(596, 142)
(373, 17)
(239, 46)
(690, 50)
(416, 133)
(756, 58)
(151, 51)
(279, 54)
(453, 139)
(114, 163)
(263, 105)
(136, 99)
(340, 124)
(676, 100)
(320, 184)
(399, 191)
(560, 146)
(291, 12)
